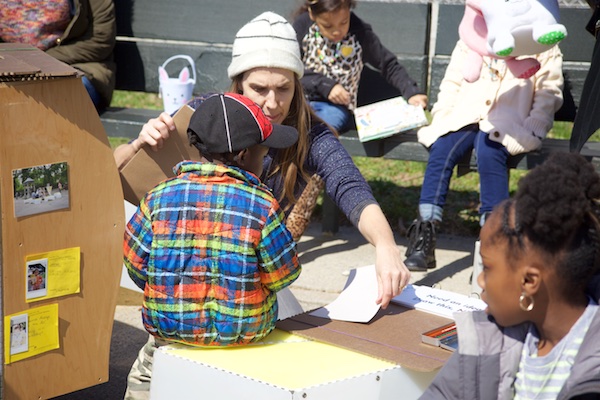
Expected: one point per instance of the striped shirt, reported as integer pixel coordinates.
(543, 377)
(209, 249)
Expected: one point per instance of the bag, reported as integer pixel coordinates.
(176, 92)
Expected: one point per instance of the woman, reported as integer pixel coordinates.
(266, 67)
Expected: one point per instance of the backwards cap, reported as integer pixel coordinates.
(230, 122)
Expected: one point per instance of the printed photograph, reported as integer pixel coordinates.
(40, 189)
(37, 277)
(19, 334)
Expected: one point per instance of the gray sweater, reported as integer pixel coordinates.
(344, 183)
(487, 360)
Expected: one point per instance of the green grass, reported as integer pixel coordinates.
(127, 99)
(396, 184)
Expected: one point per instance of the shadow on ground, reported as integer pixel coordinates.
(125, 344)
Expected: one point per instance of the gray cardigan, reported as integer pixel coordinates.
(487, 360)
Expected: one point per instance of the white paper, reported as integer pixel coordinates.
(356, 303)
(437, 301)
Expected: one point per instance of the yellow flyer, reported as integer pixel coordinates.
(52, 274)
(30, 333)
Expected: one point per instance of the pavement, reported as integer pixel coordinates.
(326, 261)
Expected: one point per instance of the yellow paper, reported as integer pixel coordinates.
(279, 348)
(52, 274)
(30, 333)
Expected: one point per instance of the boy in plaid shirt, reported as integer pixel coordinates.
(209, 246)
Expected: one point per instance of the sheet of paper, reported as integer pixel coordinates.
(436, 301)
(52, 274)
(30, 333)
(356, 303)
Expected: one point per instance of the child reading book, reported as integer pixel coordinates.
(335, 44)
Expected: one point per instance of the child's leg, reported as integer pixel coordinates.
(138, 380)
(492, 159)
(444, 154)
(337, 116)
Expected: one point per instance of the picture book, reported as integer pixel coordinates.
(386, 118)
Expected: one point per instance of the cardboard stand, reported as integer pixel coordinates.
(48, 119)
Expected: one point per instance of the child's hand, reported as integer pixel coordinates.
(419, 100)
(339, 95)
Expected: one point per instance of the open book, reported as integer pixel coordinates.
(386, 118)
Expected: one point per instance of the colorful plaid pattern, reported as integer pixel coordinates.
(210, 250)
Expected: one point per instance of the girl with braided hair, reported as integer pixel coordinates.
(538, 337)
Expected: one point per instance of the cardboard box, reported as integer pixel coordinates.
(284, 366)
(148, 167)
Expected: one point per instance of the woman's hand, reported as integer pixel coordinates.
(155, 132)
(392, 274)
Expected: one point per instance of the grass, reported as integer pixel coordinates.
(396, 184)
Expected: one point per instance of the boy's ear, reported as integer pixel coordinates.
(239, 157)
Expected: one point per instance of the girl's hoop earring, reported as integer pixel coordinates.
(524, 298)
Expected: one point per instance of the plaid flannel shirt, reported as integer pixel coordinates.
(209, 249)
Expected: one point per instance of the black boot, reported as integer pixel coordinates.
(421, 246)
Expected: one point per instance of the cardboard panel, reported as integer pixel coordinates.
(393, 335)
(45, 122)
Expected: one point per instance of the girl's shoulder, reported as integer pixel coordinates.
(357, 24)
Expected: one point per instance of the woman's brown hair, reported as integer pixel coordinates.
(289, 163)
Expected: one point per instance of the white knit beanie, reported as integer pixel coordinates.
(266, 41)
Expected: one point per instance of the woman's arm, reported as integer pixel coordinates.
(346, 186)
(97, 42)
(392, 274)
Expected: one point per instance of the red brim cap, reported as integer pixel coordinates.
(230, 122)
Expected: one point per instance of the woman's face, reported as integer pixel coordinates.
(333, 25)
(272, 89)
(500, 281)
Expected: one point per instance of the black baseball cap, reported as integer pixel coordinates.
(230, 122)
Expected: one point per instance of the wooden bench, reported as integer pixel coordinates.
(421, 35)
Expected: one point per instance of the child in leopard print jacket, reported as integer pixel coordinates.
(335, 44)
